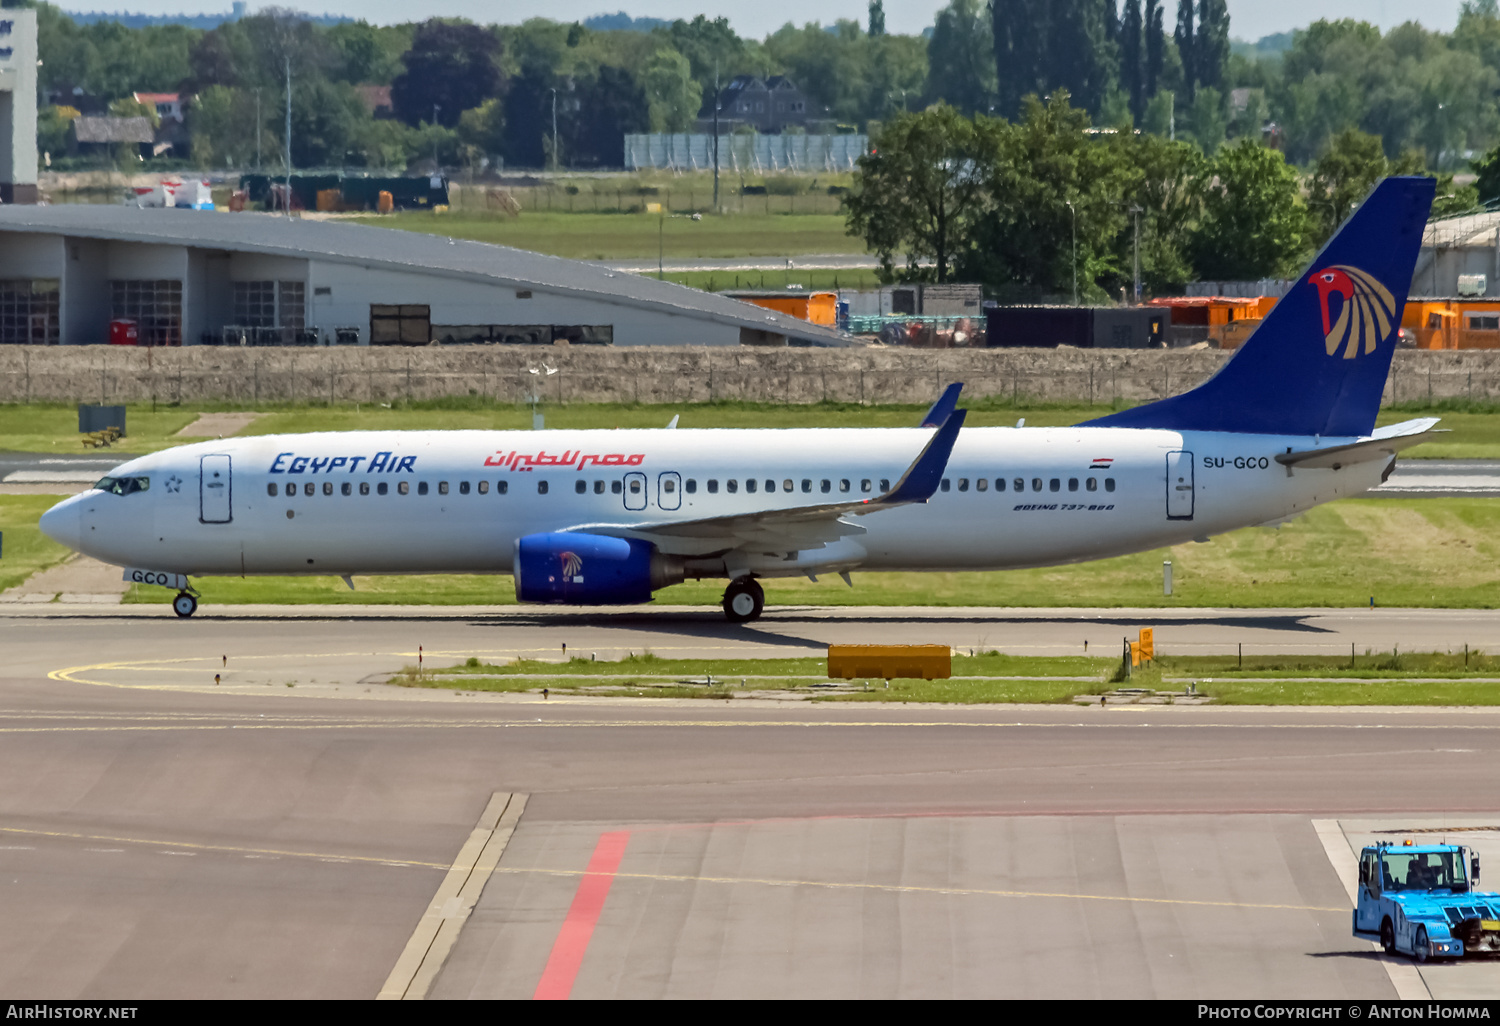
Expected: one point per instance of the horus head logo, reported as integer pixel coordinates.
(571, 564)
(1365, 316)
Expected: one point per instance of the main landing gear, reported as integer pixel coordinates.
(743, 600)
(185, 604)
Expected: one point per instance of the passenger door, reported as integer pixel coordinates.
(215, 490)
(669, 490)
(1179, 486)
(635, 490)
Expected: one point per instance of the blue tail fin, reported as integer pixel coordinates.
(1317, 365)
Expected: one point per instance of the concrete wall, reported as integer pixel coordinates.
(655, 374)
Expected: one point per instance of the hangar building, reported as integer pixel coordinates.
(185, 277)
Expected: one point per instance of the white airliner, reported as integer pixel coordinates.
(608, 517)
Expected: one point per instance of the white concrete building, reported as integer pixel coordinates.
(17, 106)
(198, 277)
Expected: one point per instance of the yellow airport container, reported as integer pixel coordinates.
(329, 199)
(887, 662)
(1148, 643)
(385, 202)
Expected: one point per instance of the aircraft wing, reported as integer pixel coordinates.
(1383, 443)
(796, 527)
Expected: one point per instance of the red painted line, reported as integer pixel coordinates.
(572, 941)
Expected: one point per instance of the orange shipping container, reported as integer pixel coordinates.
(817, 307)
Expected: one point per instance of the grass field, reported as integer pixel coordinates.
(52, 427)
(26, 549)
(1437, 553)
(587, 236)
(992, 677)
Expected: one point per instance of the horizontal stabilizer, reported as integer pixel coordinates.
(1383, 443)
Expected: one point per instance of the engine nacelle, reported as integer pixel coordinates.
(590, 569)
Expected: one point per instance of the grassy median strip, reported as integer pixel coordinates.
(26, 550)
(994, 678)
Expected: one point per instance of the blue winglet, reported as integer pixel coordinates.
(944, 407)
(921, 479)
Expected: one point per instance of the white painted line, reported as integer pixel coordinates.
(456, 896)
(53, 476)
(1403, 975)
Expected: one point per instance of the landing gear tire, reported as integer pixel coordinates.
(743, 600)
(184, 605)
(1388, 937)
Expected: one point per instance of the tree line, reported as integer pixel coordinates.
(1040, 206)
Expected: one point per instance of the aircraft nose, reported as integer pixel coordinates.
(63, 523)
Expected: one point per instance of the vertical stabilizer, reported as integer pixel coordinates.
(1318, 363)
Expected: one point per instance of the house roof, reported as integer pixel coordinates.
(157, 97)
(415, 252)
(113, 130)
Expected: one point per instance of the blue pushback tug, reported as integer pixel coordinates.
(1420, 900)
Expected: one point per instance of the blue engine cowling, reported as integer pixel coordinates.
(589, 569)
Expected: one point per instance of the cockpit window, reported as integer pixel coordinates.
(123, 485)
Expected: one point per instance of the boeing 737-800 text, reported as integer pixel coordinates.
(609, 517)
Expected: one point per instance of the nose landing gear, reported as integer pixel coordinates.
(185, 604)
(743, 600)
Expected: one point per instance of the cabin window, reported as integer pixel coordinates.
(692, 486)
(669, 486)
(865, 484)
(1109, 484)
(541, 487)
(581, 487)
(731, 486)
(364, 488)
(308, 489)
(484, 488)
(1055, 485)
(981, 484)
(1072, 484)
(616, 487)
(1036, 484)
(502, 486)
(786, 485)
(825, 486)
(599, 487)
(403, 488)
(346, 488)
(463, 488)
(442, 487)
(885, 485)
(946, 485)
(807, 484)
(750, 485)
(1020, 484)
(1092, 484)
(271, 489)
(999, 484)
(327, 487)
(844, 484)
(963, 484)
(713, 486)
(635, 486)
(421, 487)
(383, 487)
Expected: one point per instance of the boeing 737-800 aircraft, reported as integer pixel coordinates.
(609, 517)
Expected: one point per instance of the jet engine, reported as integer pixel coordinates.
(590, 569)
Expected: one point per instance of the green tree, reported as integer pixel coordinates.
(130, 107)
(1166, 188)
(482, 129)
(877, 18)
(960, 58)
(1207, 121)
(452, 67)
(672, 97)
(1342, 177)
(919, 191)
(1253, 223)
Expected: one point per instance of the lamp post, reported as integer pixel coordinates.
(1135, 211)
(1075, 250)
(716, 135)
(554, 127)
(288, 136)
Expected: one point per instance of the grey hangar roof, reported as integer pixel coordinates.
(402, 250)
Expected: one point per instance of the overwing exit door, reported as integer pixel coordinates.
(1179, 486)
(635, 490)
(215, 490)
(669, 490)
